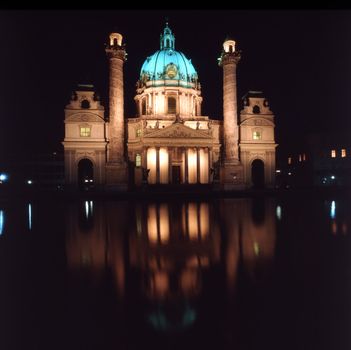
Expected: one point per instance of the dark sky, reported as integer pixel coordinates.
(301, 60)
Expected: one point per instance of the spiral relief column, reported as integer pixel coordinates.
(231, 170)
(116, 168)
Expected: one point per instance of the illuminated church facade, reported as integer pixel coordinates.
(169, 142)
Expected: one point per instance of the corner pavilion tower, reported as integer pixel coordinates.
(169, 141)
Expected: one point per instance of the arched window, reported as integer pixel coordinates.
(138, 160)
(172, 105)
(85, 104)
(256, 109)
(143, 107)
(167, 43)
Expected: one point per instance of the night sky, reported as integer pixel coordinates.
(301, 60)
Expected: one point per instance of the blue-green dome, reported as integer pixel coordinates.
(168, 66)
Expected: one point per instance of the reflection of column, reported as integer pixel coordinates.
(209, 166)
(197, 164)
(144, 158)
(186, 165)
(157, 165)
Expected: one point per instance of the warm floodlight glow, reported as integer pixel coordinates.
(163, 166)
(192, 166)
(151, 165)
(116, 38)
(229, 46)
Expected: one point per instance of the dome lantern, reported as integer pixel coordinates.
(167, 39)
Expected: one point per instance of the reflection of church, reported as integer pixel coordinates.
(169, 141)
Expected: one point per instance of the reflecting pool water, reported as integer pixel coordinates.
(221, 274)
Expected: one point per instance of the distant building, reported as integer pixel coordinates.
(323, 159)
(170, 141)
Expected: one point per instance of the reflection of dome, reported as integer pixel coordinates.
(172, 318)
(168, 66)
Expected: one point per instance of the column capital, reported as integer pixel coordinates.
(229, 58)
(118, 52)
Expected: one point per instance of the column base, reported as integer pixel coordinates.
(116, 177)
(231, 176)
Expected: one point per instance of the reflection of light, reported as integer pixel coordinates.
(278, 212)
(256, 248)
(344, 228)
(30, 216)
(332, 210)
(152, 223)
(2, 221)
(164, 223)
(192, 221)
(91, 207)
(86, 209)
(334, 227)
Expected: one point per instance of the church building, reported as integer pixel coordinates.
(170, 141)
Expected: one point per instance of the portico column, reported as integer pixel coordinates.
(186, 166)
(157, 165)
(209, 166)
(169, 151)
(197, 164)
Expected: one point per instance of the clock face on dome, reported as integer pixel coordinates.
(171, 70)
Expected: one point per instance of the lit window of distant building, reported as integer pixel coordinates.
(333, 153)
(256, 135)
(85, 131)
(300, 158)
(289, 160)
(138, 160)
(343, 153)
(304, 157)
(138, 132)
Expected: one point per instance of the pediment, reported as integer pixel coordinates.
(178, 130)
(84, 117)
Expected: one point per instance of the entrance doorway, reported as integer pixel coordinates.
(175, 174)
(257, 173)
(85, 174)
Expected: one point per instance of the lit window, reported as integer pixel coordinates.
(333, 153)
(172, 104)
(138, 132)
(85, 131)
(289, 160)
(300, 158)
(256, 135)
(304, 157)
(138, 160)
(343, 153)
